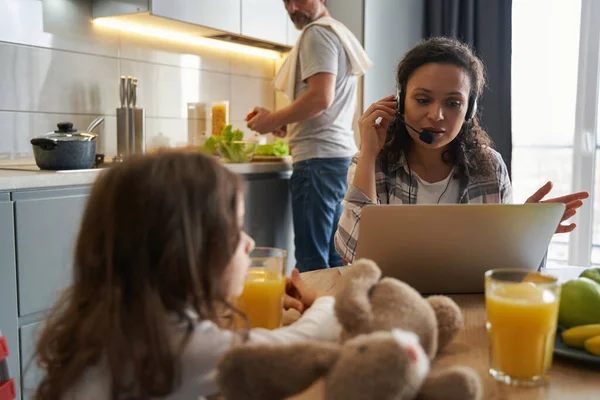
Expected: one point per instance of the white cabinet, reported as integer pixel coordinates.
(9, 322)
(47, 222)
(265, 20)
(30, 372)
(224, 15)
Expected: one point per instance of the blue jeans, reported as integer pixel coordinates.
(318, 187)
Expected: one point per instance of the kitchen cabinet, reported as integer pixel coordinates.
(31, 374)
(224, 15)
(262, 20)
(265, 20)
(47, 223)
(8, 284)
(269, 212)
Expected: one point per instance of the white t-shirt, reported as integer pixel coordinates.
(328, 135)
(446, 191)
(208, 343)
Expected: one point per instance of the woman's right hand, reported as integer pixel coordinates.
(373, 132)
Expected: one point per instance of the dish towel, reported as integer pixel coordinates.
(285, 79)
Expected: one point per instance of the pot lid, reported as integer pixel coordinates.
(66, 132)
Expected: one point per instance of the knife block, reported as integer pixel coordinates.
(131, 131)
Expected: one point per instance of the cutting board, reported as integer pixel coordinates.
(272, 159)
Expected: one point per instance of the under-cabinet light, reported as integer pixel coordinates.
(175, 36)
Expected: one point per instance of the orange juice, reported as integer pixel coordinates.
(262, 298)
(521, 325)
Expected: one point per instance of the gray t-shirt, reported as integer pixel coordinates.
(330, 134)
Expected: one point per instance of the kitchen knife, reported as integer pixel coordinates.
(122, 93)
(134, 92)
(128, 90)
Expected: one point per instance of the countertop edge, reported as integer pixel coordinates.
(11, 179)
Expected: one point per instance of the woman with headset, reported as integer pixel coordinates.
(425, 145)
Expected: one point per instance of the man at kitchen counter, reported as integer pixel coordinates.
(320, 78)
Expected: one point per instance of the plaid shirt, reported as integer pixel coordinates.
(395, 188)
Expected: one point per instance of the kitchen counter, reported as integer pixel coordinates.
(30, 177)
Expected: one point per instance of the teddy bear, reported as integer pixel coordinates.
(365, 303)
(390, 335)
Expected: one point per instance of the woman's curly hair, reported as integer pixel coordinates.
(469, 151)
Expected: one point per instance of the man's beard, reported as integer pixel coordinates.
(300, 20)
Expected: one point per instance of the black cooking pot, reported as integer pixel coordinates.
(65, 148)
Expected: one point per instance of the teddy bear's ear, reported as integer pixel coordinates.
(352, 305)
(457, 383)
(273, 372)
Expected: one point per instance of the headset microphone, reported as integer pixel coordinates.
(425, 136)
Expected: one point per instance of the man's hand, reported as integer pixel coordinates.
(261, 121)
(571, 201)
(281, 132)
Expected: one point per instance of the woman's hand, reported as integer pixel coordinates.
(572, 202)
(298, 295)
(373, 125)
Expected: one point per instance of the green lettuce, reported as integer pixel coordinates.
(230, 146)
(278, 149)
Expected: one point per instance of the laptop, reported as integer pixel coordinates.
(447, 248)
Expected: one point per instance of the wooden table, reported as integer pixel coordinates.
(568, 380)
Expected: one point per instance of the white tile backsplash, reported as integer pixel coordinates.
(248, 93)
(161, 132)
(56, 66)
(19, 127)
(158, 51)
(258, 67)
(56, 81)
(165, 91)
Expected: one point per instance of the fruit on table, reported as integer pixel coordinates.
(576, 337)
(592, 345)
(591, 273)
(579, 303)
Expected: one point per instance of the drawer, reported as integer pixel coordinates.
(30, 373)
(46, 230)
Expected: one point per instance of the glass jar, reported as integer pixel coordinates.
(220, 116)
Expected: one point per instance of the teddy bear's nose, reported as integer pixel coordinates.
(363, 348)
(412, 353)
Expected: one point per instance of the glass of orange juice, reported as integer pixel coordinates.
(521, 320)
(262, 298)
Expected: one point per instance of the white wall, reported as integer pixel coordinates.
(350, 13)
(387, 29)
(391, 28)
